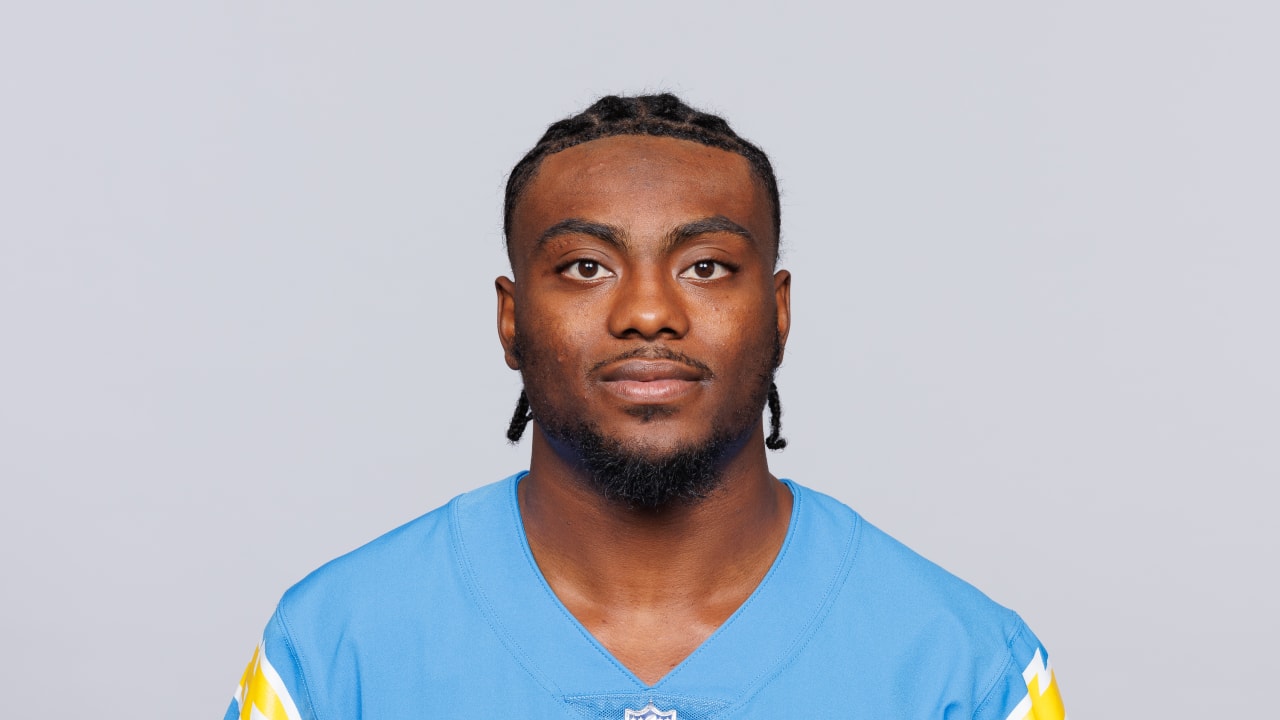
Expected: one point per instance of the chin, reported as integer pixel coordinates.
(638, 473)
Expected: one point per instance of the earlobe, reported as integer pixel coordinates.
(782, 298)
(506, 288)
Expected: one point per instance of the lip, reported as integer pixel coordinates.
(651, 381)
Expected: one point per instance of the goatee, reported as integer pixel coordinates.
(630, 478)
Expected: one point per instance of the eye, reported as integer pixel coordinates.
(586, 270)
(706, 270)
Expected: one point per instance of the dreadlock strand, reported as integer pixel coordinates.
(519, 420)
(775, 441)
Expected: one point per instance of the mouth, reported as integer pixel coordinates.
(650, 382)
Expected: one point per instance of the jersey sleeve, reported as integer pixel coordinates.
(272, 684)
(1027, 689)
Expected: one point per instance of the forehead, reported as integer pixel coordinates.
(643, 183)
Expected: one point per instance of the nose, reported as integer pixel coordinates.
(648, 305)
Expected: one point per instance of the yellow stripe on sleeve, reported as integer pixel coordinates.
(258, 690)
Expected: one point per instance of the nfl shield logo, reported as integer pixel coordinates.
(649, 712)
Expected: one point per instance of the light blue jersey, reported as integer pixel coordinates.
(449, 617)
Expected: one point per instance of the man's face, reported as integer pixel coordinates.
(645, 307)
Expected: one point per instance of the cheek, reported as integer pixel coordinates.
(552, 341)
(739, 325)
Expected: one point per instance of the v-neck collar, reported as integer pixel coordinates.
(739, 658)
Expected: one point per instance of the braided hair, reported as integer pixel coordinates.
(775, 441)
(519, 419)
(663, 115)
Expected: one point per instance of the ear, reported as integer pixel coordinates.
(506, 288)
(782, 298)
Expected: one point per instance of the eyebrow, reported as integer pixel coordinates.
(617, 237)
(577, 226)
(705, 226)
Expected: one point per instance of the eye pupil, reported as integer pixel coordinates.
(587, 268)
(704, 268)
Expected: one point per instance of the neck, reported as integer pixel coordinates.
(704, 556)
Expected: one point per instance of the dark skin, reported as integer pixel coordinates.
(650, 246)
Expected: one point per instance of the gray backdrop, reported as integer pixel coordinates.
(247, 317)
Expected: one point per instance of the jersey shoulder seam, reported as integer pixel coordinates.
(1018, 630)
(295, 656)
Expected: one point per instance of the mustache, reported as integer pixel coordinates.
(656, 352)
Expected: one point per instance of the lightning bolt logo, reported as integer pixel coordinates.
(1042, 701)
(261, 694)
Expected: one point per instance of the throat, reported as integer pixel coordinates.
(651, 644)
(650, 629)
(652, 589)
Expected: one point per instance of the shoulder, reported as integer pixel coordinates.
(361, 618)
(390, 574)
(929, 631)
(878, 553)
(894, 581)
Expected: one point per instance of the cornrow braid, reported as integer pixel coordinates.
(519, 420)
(775, 441)
(662, 115)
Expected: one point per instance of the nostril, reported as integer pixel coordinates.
(648, 309)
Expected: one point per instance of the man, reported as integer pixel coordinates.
(648, 565)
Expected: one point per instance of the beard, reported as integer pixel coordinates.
(636, 477)
(629, 477)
